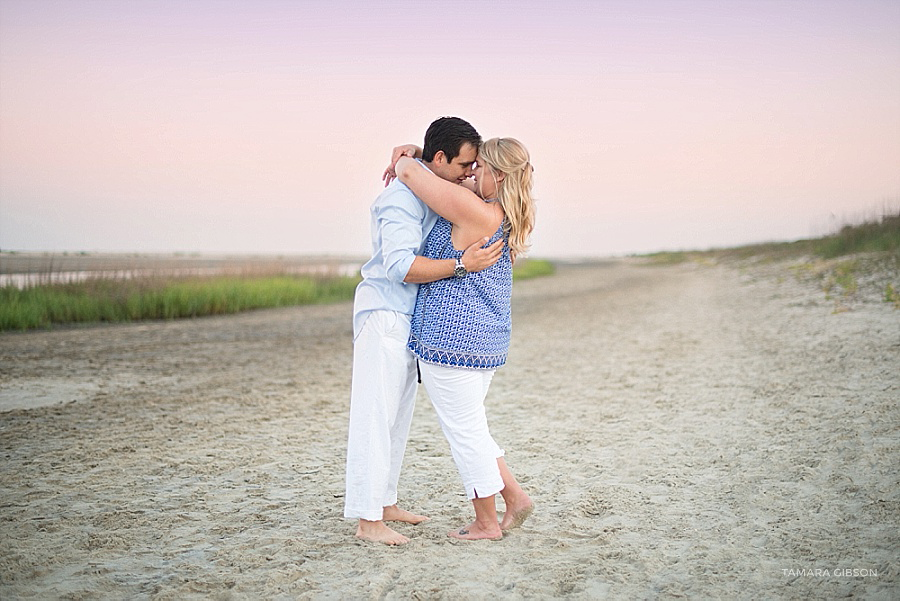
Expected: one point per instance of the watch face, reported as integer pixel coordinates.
(460, 271)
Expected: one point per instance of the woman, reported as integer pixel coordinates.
(461, 326)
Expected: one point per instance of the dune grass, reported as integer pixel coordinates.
(874, 236)
(865, 255)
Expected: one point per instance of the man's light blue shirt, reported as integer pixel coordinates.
(400, 222)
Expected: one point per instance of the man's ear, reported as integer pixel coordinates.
(439, 157)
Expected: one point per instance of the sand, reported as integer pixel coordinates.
(698, 431)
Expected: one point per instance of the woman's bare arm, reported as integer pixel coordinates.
(407, 150)
(453, 202)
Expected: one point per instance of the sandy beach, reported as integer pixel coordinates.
(686, 431)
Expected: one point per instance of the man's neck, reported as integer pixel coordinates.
(429, 165)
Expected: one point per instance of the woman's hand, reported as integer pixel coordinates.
(407, 150)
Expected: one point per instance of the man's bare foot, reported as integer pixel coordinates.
(515, 516)
(475, 532)
(392, 513)
(378, 532)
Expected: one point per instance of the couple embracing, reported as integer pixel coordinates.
(425, 307)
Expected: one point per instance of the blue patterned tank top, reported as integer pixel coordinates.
(463, 322)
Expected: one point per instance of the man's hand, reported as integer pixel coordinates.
(407, 150)
(477, 259)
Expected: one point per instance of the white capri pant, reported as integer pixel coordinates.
(458, 398)
(382, 399)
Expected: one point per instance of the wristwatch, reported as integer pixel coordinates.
(460, 269)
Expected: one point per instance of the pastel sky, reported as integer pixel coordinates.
(264, 126)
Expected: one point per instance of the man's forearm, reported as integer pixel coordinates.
(425, 270)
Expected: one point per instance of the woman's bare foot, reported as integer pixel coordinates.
(378, 532)
(474, 531)
(516, 515)
(518, 504)
(392, 513)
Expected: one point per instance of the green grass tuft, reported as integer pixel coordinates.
(843, 274)
(891, 295)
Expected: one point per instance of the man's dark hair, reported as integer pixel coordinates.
(448, 134)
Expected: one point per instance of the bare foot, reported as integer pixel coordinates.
(393, 513)
(475, 532)
(515, 516)
(378, 532)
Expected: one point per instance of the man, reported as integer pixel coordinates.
(383, 387)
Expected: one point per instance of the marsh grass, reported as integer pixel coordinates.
(532, 268)
(44, 302)
(118, 300)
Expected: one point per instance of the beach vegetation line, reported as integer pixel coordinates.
(853, 257)
(877, 235)
(120, 300)
(532, 268)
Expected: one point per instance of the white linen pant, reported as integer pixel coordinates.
(458, 398)
(382, 399)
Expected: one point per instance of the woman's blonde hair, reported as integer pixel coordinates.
(510, 157)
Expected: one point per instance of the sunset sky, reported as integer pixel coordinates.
(263, 126)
